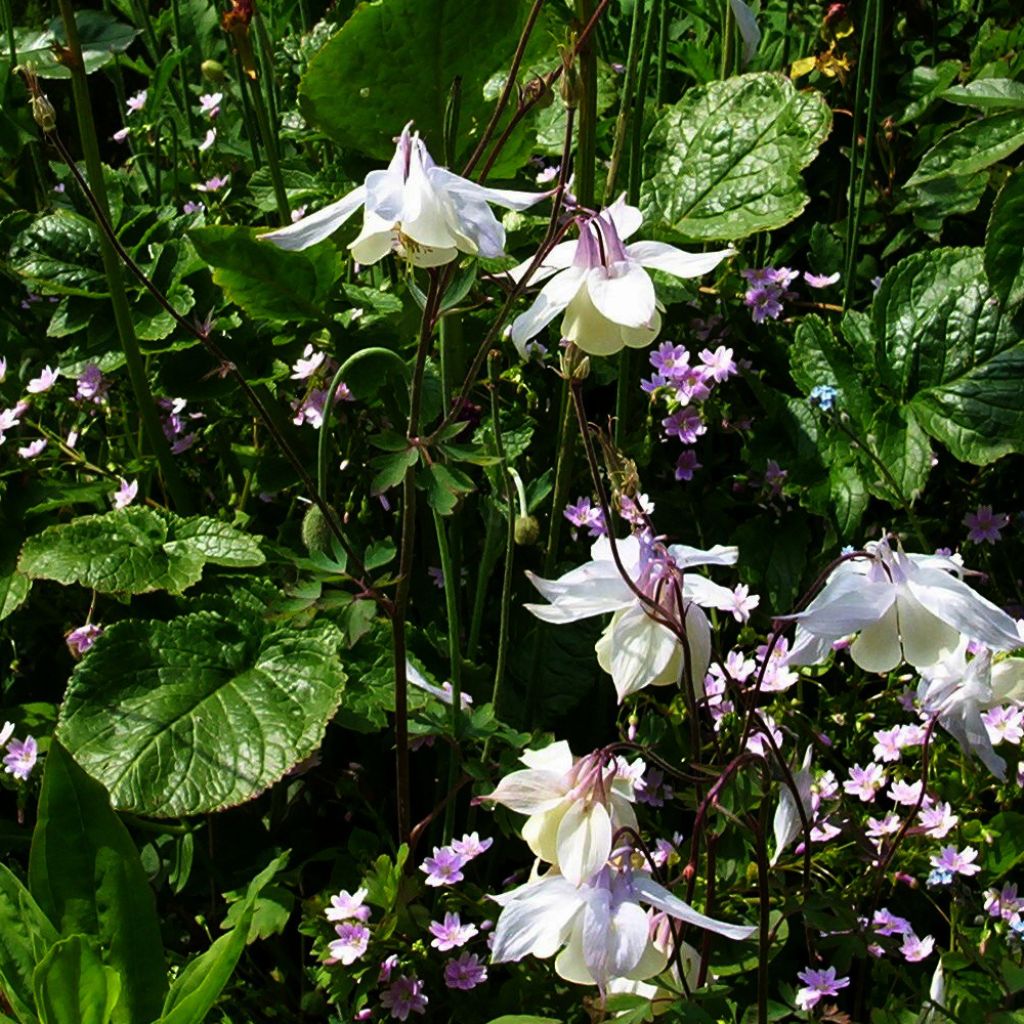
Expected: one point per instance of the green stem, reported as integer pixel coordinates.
(150, 421)
(12, 48)
(728, 39)
(251, 131)
(269, 148)
(635, 162)
(626, 112)
(659, 89)
(510, 536)
(182, 76)
(563, 474)
(586, 142)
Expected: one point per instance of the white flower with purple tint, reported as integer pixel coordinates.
(209, 104)
(1004, 724)
(820, 280)
(350, 944)
(687, 465)
(471, 846)
(345, 906)
(125, 494)
(985, 526)
(451, 933)
(601, 286)
(864, 783)
(42, 383)
(951, 861)
(886, 923)
(21, 757)
(137, 102)
(308, 363)
(214, 184)
(818, 984)
(208, 140)
(915, 950)
(422, 212)
(91, 385)
(444, 867)
(906, 794)
(33, 448)
(938, 820)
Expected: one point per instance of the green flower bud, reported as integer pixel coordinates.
(527, 530)
(316, 533)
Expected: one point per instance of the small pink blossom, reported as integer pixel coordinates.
(885, 826)
(471, 845)
(886, 923)
(309, 362)
(937, 820)
(137, 102)
(465, 973)
(33, 448)
(1003, 724)
(347, 905)
(208, 140)
(404, 996)
(444, 868)
(21, 758)
(818, 984)
(820, 280)
(956, 862)
(984, 526)
(387, 965)
(906, 794)
(125, 494)
(887, 744)
(209, 104)
(451, 933)
(350, 944)
(915, 949)
(214, 184)
(43, 382)
(81, 639)
(865, 782)
(743, 602)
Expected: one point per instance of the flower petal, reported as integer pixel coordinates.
(535, 918)
(584, 841)
(877, 649)
(721, 554)
(926, 638)
(627, 219)
(659, 256)
(657, 896)
(560, 257)
(554, 297)
(317, 226)
(623, 293)
(530, 790)
(589, 329)
(637, 652)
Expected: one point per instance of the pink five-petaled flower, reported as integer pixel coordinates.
(350, 944)
(45, 381)
(744, 602)
(308, 363)
(21, 757)
(347, 905)
(865, 782)
(915, 949)
(451, 933)
(125, 494)
(404, 996)
(33, 448)
(956, 862)
(471, 845)
(937, 820)
(886, 923)
(444, 868)
(820, 280)
(209, 104)
(984, 525)
(137, 102)
(465, 972)
(214, 184)
(906, 794)
(818, 984)
(602, 286)
(81, 639)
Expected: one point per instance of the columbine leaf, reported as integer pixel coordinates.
(725, 161)
(199, 713)
(135, 550)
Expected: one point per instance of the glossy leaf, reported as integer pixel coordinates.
(47, 253)
(972, 148)
(101, 36)
(265, 281)
(135, 550)
(988, 94)
(725, 161)
(210, 711)
(73, 986)
(85, 872)
(395, 61)
(1004, 242)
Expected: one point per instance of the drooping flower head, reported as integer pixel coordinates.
(422, 212)
(602, 285)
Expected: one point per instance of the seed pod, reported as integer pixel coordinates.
(316, 533)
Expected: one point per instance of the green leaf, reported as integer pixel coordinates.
(395, 61)
(725, 161)
(100, 34)
(1004, 245)
(135, 550)
(85, 872)
(818, 357)
(947, 348)
(47, 253)
(988, 94)
(267, 282)
(391, 469)
(523, 1018)
(972, 148)
(25, 935)
(210, 711)
(73, 986)
(926, 85)
(14, 588)
(1006, 850)
(446, 486)
(902, 446)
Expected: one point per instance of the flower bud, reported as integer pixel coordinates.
(212, 71)
(527, 530)
(316, 533)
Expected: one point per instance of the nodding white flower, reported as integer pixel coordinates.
(604, 931)
(788, 825)
(957, 691)
(422, 212)
(575, 805)
(912, 608)
(602, 285)
(635, 648)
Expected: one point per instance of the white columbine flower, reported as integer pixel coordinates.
(574, 805)
(636, 649)
(605, 931)
(957, 691)
(912, 608)
(421, 211)
(788, 824)
(602, 285)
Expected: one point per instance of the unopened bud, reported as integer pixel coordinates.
(527, 530)
(43, 112)
(569, 83)
(212, 70)
(316, 533)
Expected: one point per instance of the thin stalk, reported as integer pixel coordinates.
(251, 131)
(728, 39)
(182, 75)
(764, 909)
(851, 225)
(407, 543)
(483, 574)
(659, 89)
(269, 148)
(586, 143)
(119, 300)
(785, 45)
(626, 113)
(12, 47)
(563, 474)
(266, 56)
(637, 143)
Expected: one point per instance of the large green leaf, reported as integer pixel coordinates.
(395, 61)
(100, 35)
(85, 872)
(972, 148)
(948, 349)
(25, 935)
(73, 986)
(988, 94)
(52, 255)
(135, 550)
(1004, 242)
(267, 282)
(199, 713)
(725, 161)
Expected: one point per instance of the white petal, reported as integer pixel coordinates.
(636, 651)
(808, 649)
(584, 841)
(698, 641)
(707, 593)
(425, 213)
(964, 609)
(554, 297)
(589, 329)
(622, 293)
(846, 604)
(384, 191)
(317, 226)
(1008, 681)
(721, 554)
(571, 963)
(555, 757)
(657, 896)
(540, 833)
(749, 32)
(652, 962)
(560, 257)
(530, 791)
(659, 256)
(375, 241)
(877, 649)
(926, 638)
(535, 919)
(964, 723)
(642, 337)
(626, 218)
(509, 198)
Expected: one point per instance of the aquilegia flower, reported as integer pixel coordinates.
(605, 931)
(912, 608)
(602, 286)
(414, 208)
(636, 649)
(575, 805)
